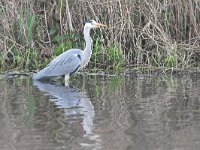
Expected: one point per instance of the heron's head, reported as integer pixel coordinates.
(93, 24)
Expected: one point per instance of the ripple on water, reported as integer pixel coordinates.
(108, 113)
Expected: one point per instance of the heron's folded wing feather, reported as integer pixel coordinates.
(61, 65)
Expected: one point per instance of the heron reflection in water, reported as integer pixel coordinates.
(73, 101)
(72, 60)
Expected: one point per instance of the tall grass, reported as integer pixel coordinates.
(141, 33)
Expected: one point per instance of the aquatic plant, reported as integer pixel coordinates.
(109, 57)
(141, 34)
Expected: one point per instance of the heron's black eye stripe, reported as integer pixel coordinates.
(89, 21)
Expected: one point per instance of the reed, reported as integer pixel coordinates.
(141, 33)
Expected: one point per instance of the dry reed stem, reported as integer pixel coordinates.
(146, 31)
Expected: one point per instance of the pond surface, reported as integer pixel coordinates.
(101, 113)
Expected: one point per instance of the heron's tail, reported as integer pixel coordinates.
(39, 75)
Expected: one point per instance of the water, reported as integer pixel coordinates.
(101, 113)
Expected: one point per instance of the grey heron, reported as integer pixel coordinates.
(71, 60)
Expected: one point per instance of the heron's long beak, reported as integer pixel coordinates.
(100, 25)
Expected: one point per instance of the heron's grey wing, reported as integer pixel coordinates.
(66, 63)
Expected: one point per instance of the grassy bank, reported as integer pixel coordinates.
(141, 33)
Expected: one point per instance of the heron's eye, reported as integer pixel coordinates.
(93, 22)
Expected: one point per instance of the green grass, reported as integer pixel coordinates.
(110, 58)
(139, 35)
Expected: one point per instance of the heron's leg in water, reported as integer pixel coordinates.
(67, 80)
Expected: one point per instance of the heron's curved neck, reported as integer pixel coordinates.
(88, 39)
(88, 49)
